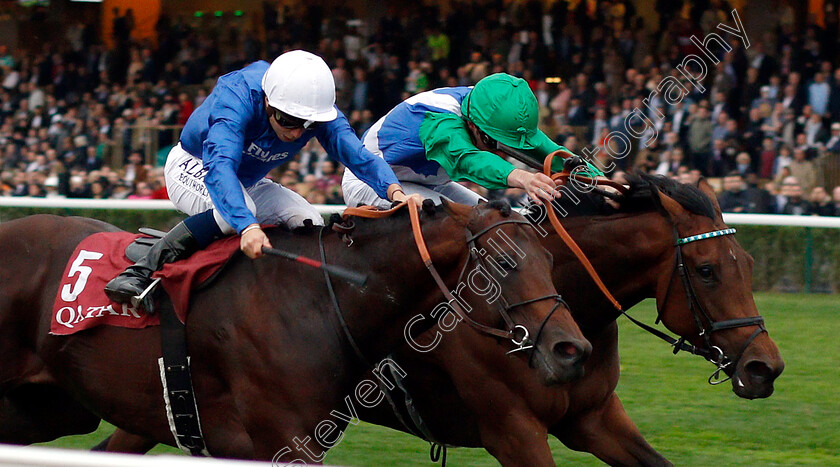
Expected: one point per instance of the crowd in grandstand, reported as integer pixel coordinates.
(767, 126)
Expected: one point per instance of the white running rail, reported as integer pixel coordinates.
(26, 456)
(327, 209)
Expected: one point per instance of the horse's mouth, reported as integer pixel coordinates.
(754, 380)
(741, 390)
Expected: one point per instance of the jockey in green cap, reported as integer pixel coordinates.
(445, 135)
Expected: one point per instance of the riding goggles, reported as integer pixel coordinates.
(293, 123)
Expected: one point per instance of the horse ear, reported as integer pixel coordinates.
(461, 212)
(707, 189)
(675, 211)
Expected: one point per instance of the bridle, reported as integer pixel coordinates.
(524, 342)
(711, 352)
(516, 333)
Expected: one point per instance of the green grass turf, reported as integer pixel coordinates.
(667, 396)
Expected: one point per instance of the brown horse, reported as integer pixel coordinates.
(482, 398)
(634, 251)
(270, 360)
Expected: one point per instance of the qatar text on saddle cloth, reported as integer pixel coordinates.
(81, 303)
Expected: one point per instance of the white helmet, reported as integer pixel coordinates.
(301, 84)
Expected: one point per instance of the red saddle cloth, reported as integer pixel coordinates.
(81, 303)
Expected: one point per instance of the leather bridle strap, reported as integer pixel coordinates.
(344, 327)
(736, 323)
(371, 212)
(570, 242)
(451, 300)
(471, 237)
(678, 344)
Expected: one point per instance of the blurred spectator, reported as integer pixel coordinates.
(804, 170)
(767, 158)
(79, 107)
(142, 190)
(135, 171)
(700, 140)
(733, 198)
(835, 198)
(821, 204)
(833, 143)
(793, 202)
(818, 92)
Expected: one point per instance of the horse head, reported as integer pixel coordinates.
(507, 257)
(707, 299)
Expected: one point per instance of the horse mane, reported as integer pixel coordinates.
(643, 189)
(641, 197)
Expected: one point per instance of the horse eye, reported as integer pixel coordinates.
(503, 261)
(705, 271)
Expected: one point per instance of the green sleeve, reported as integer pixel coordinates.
(550, 146)
(447, 142)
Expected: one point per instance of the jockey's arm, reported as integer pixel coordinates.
(340, 141)
(221, 155)
(447, 142)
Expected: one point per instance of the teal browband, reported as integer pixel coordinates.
(703, 236)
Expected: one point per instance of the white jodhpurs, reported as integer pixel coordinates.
(270, 202)
(357, 192)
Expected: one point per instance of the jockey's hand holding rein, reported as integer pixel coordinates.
(538, 186)
(396, 193)
(253, 239)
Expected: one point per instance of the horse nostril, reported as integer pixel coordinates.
(759, 372)
(571, 351)
(565, 349)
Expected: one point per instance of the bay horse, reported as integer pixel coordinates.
(636, 251)
(482, 398)
(270, 361)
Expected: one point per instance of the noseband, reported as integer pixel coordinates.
(711, 352)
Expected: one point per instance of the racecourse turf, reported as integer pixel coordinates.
(688, 421)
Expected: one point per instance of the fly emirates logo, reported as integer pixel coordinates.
(263, 155)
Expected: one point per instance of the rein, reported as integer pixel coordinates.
(562, 178)
(712, 353)
(516, 333)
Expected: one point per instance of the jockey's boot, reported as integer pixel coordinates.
(177, 244)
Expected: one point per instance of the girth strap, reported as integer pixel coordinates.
(178, 393)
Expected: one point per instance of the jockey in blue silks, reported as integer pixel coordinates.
(256, 119)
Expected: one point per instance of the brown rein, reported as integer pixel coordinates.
(562, 178)
(370, 212)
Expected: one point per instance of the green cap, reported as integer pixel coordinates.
(504, 107)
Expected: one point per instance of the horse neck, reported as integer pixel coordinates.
(399, 284)
(629, 252)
